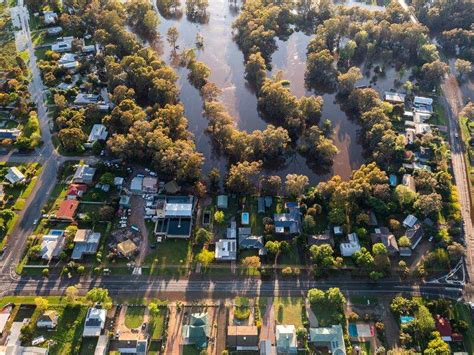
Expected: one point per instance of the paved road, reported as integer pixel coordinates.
(453, 103)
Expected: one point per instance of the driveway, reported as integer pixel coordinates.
(268, 323)
(137, 218)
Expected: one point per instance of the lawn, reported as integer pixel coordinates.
(190, 350)
(17, 300)
(288, 310)
(157, 323)
(169, 252)
(134, 317)
(364, 300)
(291, 257)
(67, 337)
(88, 346)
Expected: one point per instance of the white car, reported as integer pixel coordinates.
(35, 222)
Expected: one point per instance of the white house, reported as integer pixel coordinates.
(226, 250)
(14, 175)
(286, 339)
(95, 322)
(84, 174)
(50, 17)
(98, 133)
(331, 338)
(49, 319)
(351, 246)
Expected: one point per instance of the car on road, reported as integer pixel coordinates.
(430, 239)
(35, 222)
(456, 135)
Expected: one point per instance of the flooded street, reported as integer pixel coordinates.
(226, 62)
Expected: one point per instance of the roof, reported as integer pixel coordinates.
(384, 236)
(67, 209)
(95, 321)
(86, 242)
(409, 181)
(52, 246)
(394, 97)
(14, 175)
(251, 242)
(127, 247)
(76, 189)
(285, 337)
(181, 206)
(197, 331)
(84, 173)
(222, 201)
(330, 337)
(226, 249)
(420, 100)
(410, 221)
(86, 99)
(443, 326)
(67, 58)
(351, 246)
(48, 316)
(150, 184)
(320, 239)
(242, 336)
(136, 184)
(98, 132)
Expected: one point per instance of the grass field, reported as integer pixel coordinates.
(462, 312)
(288, 310)
(169, 252)
(134, 317)
(157, 323)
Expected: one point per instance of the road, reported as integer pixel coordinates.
(453, 103)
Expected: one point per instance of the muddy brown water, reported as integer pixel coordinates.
(226, 62)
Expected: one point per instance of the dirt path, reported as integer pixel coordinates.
(173, 339)
(137, 218)
(268, 323)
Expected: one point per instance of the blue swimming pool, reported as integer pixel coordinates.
(245, 218)
(352, 330)
(56, 232)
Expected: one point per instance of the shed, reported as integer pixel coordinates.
(127, 248)
(222, 201)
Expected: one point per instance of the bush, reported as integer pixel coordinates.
(241, 308)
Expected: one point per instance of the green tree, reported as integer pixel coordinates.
(295, 184)
(203, 236)
(205, 257)
(99, 295)
(219, 217)
(242, 177)
(172, 36)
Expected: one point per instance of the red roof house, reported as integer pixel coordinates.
(443, 326)
(75, 191)
(67, 210)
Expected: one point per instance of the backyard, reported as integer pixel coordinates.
(134, 317)
(289, 310)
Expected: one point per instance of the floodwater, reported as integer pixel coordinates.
(226, 62)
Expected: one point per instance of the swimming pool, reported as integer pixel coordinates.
(56, 232)
(353, 330)
(245, 218)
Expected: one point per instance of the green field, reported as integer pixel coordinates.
(288, 310)
(134, 317)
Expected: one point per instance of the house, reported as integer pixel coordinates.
(351, 246)
(196, 332)
(54, 31)
(384, 236)
(394, 97)
(410, 221)
(61, 46)
(410, 135)
(49, 319)
(421, 116)
(226, 250)
(136, 186)
(10, 133)
(68, 61)
(86, 242)
(247, 242)
(423, 104)
(14, 175)
(443, 326)
(84, 174)
(242, 337)
(288, 223)
(76, 191)
(232, 230)
(86, 99)
(415, 234)
(50, 17)
(138, 347)
(222, 201)
(67, 210)
(150, 185)
(102, 347)
(175, 217)
(95, 322)
(13, 343)
(330, 338)
(124, 201)
(286, 339)
(118, 181)
(52, 245)
(409, 181)
(98, 133)
(338, 231)
(127, 248)
(320, 239)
